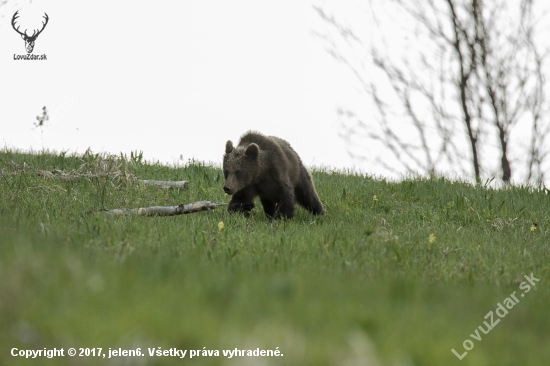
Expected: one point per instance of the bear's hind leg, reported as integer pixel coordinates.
(306, 195)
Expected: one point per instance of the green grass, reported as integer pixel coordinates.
(362, 285)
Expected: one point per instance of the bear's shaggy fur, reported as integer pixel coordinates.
(268, 167)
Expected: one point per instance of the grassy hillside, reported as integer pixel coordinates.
(394, 274)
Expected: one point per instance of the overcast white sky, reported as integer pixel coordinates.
(171, 78)
(177, 79)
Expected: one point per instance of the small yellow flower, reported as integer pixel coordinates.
(220, 226)
(374, 198)
(431, 239)
(533, 228)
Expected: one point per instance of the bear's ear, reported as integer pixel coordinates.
(252, 151)
(228, 147)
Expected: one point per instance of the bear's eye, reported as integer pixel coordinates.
(225, 173)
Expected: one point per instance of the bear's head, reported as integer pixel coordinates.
(240, 166)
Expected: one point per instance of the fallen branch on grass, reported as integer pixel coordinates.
(166, 210)
(166, 184)
(104, 171)
(114, 175)
(74, 176)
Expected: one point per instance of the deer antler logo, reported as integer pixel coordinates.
(29, 40)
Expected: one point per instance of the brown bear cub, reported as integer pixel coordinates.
(268, 167)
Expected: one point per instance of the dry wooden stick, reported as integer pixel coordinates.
(69, 177)
(166, 184)
(166, 210)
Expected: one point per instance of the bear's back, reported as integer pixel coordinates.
(276, 150)
(269, 143)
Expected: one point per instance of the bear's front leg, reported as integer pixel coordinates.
(242, 201)
(284, 207)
